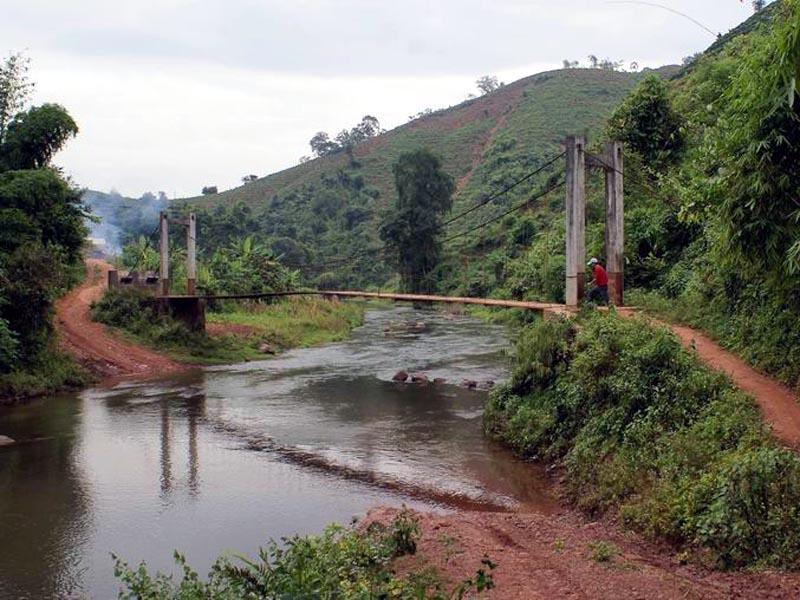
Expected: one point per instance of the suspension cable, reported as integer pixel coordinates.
(504, 191)
(508, 212)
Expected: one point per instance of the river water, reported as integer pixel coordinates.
(225, 458)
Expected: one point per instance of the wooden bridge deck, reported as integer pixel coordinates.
(543, 307)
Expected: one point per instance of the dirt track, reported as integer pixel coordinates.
(91, 344)
(549, 557)
(779, 404)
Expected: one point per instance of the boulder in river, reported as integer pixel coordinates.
(400, 376)
(439, 381)
(266, 348)
(419, 378)
(405, 327)
(6, 441)
(469, 384)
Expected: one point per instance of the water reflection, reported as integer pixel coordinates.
(229, 457)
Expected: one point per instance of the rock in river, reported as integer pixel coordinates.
(419, 378)
(400, 376)
(6, 441)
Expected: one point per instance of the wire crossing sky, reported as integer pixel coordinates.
(174, 95)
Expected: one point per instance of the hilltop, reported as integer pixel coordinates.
(325, 210)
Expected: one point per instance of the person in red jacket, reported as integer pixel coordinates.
(598, 287)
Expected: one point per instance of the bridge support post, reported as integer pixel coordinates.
(163, 248)
(191, 256)
(615, 222)
(576, 220)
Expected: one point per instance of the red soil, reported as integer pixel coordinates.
(549, 557)
(91, 344)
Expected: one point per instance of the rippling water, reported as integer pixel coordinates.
(228, 457)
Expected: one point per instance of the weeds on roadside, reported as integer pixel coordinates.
(342, 563)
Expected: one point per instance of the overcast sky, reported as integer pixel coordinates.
(173, 95)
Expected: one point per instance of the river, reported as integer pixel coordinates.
(224, 458)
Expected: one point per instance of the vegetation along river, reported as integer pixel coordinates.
(224, 458)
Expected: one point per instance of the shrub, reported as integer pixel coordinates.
(340, 563)
(644, 430)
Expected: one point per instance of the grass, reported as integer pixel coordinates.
(284, 324)
(341, 563)
(647, 434)
(295, 322)
(602, 551)
(52, 372)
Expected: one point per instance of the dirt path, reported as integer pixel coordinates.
(549, 557)
(779, 404)
(91, 344)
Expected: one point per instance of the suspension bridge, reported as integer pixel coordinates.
(190, 307)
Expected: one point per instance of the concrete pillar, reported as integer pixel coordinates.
(163, 249)
(191, 256)
(576, 220)
(615, 222)
(113, 279)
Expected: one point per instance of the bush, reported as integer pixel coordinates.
(644, 430)
(341, 563)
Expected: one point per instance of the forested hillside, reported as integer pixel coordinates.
(323, 215)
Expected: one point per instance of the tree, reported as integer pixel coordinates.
(593, 61)
(209, 190)
(411, 231)
(759, 5)
(33, 137)
(14, 89)
(249, 179)
(488, 83)
(321, 144)
(646, 122)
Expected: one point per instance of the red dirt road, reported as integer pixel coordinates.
(103, 354)
(549, 557)
(779, 404)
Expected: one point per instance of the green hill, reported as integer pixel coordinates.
(322, 212)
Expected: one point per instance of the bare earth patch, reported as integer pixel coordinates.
(555, 556)
(91, 344)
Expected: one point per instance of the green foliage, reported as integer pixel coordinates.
(41, 235)
(757, 149)
(644, 430)
(290, 323)
(33, 137)
(40, 204)
(8, 347)
(136, 311)
(411, 232)
(340, 563)
(603, 551)
(333, 208)
(648, 124)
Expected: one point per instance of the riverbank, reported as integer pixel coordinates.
(121, 335)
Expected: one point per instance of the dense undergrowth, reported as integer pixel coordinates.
(344, 563)
(646, 433)
(282, 324)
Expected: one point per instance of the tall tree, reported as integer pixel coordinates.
(647, 123)
(33, 137)
(14, 89)
(488, 83)
(411, 232)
